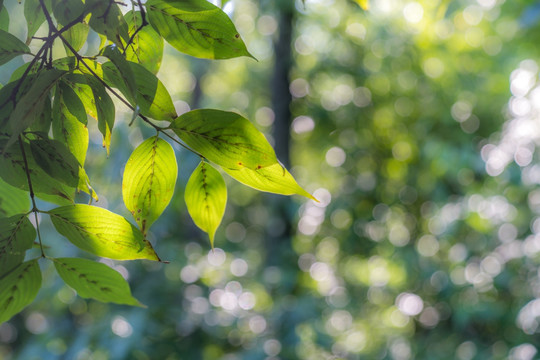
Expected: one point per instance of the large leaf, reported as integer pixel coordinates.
(101, 232)
(95, 280)
(10, 47)
(149, 180)
(12, 200)
(13, 172)
(150, 95)
(147, 46)
(274, 179)
(56, 160)
(206, 198)
(197, 28)
(18, 289)
(17, 235)
(224, 138)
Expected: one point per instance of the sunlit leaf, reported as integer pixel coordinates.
(12, 200)
(364, 4)
(124, 74)
(274, 179)
(107, 19)
(11, 47)
(17, 235)
(18, 289)
(224, 138)
(197, 28)
(101, 232)
(147, 46)
(56, 160)
(94, 280)
(76, 36)
(206, 198)
(104, 109)
(149, 180)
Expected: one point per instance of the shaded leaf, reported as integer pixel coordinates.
(104, 110)
(67, 11)
(107, 19)
(149, 180)
(56, 160)
(18, 289)
(274, 179)
(197, 28)
(17, 235)
(95, 280)
(4, 18)
(34, 16)
(101, 232)
(10, 47)
(123, 76)
(76, 36)
(12, 200)
(224, 138)
(147, 46)
(206, 198)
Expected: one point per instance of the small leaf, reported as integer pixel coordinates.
(274, 179)
(12, 200)
(17, 235)
(149, 180)
(147, 46)
(76, 36)
(104, 108)
(224, 138)
(197, 28)
(10, 47)
(18, 289)
(101, 232)
(107, 19)
(150, 95)
(94, 280)
(56, 160)
(4, 18)
(206, 198)
(34, 17)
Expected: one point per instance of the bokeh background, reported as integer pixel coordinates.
(415, 124)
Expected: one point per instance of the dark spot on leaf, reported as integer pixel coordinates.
(105, 289)
(237, 36)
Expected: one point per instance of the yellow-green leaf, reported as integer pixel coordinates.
(147, 46)
(17, 235)
(101, 232)
(206, 198)
(274, 179)
(149, 180)
(94, 280)
(18, 289)
(12, 200)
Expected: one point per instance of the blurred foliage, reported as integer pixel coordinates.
(416, 126)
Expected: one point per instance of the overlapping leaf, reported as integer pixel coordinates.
(11, 47)
(95, 280)
(18, 289)
(101, 232)
(12, 200)
(149, 180)
(147, 46)
(274, 179)
(224, 138)
(56, 160)
(206, 198)
(197, 28)
(107, 19)
(34, 17)
(17, 235)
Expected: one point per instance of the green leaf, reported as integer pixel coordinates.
(10, 47)
(104, 109)
(101, 232)
(206, 198)
(17, 235)
(56, 160)
(94, 280)
(197, 28)
(147, 46)
(45, 187)
(224, 138)
(107, 19)
(4, 18)
(42, 124)
(149, 180)
(124, 75)
(34, 15)
(18, 289)
(150, 95)
(67, 11)
(76, 36)
(274, 179)
(12, 200)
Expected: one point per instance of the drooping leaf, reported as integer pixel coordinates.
(12, 200)
(94, 280)
(17, 235)
(56, 160)
(150, 95)
(107, 19)
(149, 180)
(101, 232)
(13, 172)
(206, 198)
(147, 46)
(79, 85)
(34, 16)
(197, 28)
(10, 47)
(224, 138)
(18, 289)
(104, 110)
(274, 179)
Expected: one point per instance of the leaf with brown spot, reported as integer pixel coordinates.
(18, 289)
